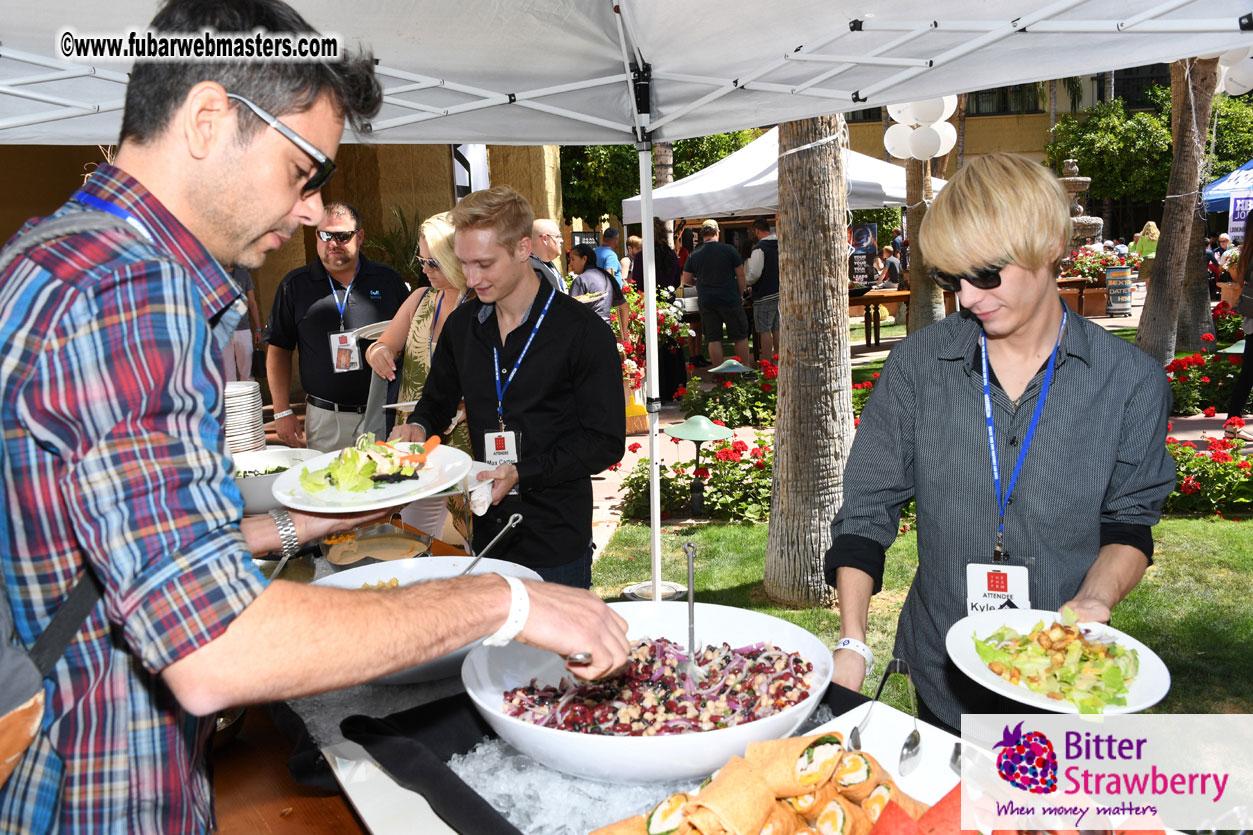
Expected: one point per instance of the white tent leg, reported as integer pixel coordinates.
(651, 383)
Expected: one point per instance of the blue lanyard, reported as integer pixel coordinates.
(113, 209)
(430, 348)
(1002, 501)
(338, 304)
(500, 390)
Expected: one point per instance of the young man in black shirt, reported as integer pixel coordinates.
(542, 383)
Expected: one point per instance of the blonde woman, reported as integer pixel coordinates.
(1146, 245)
(416, 330)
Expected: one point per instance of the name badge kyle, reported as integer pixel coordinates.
(345, 353)
(991, 587)
(501, 448)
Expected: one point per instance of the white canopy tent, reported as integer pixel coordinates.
(747, 183)
(530, 72)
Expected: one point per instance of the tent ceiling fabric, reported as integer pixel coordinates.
(552, 71)
(747, 183)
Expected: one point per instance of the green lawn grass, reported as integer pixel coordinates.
(1193, 606)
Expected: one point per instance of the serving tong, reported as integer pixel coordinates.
(690, 668)
(913, 743)
(513, 522)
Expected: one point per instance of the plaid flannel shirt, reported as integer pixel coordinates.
(114, 455)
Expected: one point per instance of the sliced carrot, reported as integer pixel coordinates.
(430, 443)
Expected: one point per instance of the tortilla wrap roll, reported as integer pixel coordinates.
(783, 820)
(810, 804)
(796, 766)
(667, 816)
(630, 826)
(841, 816)
(888, 792)
(736, 800)
(857, 775)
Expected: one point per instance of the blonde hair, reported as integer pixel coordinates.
(998, 209)
(438, 232)
(1150, 231)
(501, 209)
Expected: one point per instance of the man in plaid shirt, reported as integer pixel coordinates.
(113, 456)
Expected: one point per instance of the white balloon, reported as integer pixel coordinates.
(1233, 56)
(928, 111)
(948, 137)
(924, 142)
(1235, 88)
(950, 107)
(1240, 75)
(902, 113)
(896, 140)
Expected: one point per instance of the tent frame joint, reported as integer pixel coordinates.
(652, 404)
(1246, 23)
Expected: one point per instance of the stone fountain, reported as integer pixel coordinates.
(1084, 227)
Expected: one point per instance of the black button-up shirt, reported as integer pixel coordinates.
(566, 404)
(1097, 472)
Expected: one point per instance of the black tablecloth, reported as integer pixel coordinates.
(414, 746)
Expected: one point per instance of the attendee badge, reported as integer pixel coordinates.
(345, 353)
(500, 448)
(990, 586)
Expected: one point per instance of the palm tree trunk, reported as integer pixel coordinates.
(1159, 321)
(814, 425)
(1195, 318)
(961, 129)
(887, 123)
(663, 174)
(926, 300)
(1109, 86)
(1052, 103)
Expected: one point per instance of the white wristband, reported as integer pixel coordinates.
(519, 611)
(857, 647)
(283, 414)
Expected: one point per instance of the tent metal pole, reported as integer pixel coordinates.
(651, 383)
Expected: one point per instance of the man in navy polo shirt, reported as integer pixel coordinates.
(316, 309)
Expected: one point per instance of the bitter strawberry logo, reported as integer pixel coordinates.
(1028, 761)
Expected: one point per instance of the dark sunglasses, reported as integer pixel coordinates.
(342, 237)
(326, 166)
(984, 278)
(429, 263)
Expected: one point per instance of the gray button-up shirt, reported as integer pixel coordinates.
(1098, 463)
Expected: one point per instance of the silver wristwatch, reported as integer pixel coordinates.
(286, 532)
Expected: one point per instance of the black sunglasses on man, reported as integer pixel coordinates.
(985, 278)
(326, 166)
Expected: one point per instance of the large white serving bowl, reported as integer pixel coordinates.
(489, 671)
(418, 570)
(258, 491)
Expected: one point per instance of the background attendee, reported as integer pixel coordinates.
(415, 331)
(633, 246)
(115, 446)
(606, 257)
(1239, 402)
(890, 272)
(237, 358)
(589, 278)
(541, 379)
(717, 272)
(761, 273)
(1146, 246)
(929, 431)
(316, 308)
(546, 244)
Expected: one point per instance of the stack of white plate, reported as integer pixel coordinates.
(245, 430)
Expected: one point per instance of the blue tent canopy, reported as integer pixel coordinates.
(1218, 193)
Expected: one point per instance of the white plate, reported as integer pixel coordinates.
(885, 733)
(489, 671)
(1149, 687)
(444, 466)
(417, 570)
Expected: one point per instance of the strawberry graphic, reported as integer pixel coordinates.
(1028, 761)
